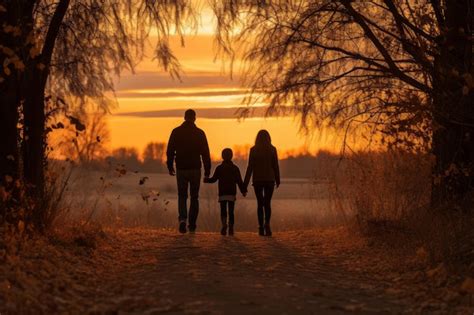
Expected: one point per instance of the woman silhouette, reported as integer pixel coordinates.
(265, 173)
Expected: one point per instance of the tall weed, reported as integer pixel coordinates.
(384, 187)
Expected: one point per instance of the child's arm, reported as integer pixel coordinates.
(214, 177)
(240, 183)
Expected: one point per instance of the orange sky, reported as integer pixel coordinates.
(143, 96)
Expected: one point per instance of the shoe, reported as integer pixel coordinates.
(192, 229)
(268, 231)
(260, 231)
(224, 230)
(231, 230)
(182, 227)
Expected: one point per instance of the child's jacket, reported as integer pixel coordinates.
(228, 175)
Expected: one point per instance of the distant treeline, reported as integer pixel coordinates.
(153, 160)
(323, 165)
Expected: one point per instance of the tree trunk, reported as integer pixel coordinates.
(34, 145)
(19, 14)
(34, 140)
(9, 100)
(453, 126)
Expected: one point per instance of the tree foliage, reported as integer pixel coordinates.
(153, 157)
(83, 138)
(342, 60)
(97, 40)
(52, 51)
(398, 68)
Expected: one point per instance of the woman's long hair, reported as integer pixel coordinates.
(263, 139)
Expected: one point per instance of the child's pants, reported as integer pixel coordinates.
(227, 205)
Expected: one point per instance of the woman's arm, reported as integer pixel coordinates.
(276, 167)
(249, 171)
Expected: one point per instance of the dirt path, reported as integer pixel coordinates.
(146, 271)
(159, 272)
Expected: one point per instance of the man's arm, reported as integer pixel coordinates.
(170, 153)
(206, 155)
(214, 177)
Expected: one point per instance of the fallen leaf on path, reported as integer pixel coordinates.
(438, 272)
(422, 255)
(450, 295)
(393, 291)
(5, 285)
(317, 292)
(273, 267)
(468, 286)
(246, 302)
(353, 307)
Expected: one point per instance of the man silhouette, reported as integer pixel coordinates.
(187, 145)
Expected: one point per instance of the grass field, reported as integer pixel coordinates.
(122, 201)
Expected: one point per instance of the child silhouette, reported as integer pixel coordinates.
(228, 175)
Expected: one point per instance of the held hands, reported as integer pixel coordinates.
(206, 180)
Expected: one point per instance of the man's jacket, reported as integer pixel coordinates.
(187, 145)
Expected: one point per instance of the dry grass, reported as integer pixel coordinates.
(86, 236)
(120, 201)
(383, 187)
(390, 196)
(386, 194)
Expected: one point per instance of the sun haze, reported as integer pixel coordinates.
(151, 103)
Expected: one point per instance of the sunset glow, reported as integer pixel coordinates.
(205, 85)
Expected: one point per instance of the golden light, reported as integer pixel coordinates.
(204, 85)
